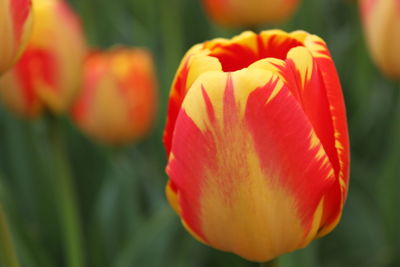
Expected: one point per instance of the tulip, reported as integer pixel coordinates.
(15, 29)
(118, 100)
(257, 143)
(381, 21)
(250, 12)
(48, 74)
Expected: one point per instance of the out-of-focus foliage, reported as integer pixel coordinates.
(125, 218)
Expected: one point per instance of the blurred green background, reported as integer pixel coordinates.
(125, 219)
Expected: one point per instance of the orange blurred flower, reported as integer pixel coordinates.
(250, 12)
(381, 20)
(49, 71)
(15, 29)
(257, 143)
(118, 101)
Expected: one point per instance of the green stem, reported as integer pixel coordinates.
(8, 256)
(68, 207)
(273, 263)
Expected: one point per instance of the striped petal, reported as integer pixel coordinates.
(311, 76)
(333, 91)
(195, 63)
(236, 174)
(223, 55)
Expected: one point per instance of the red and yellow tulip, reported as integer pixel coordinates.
(48, 73)
(257, 143)
(250, 12)
(118, 101)
(15, 29)
(381, 20)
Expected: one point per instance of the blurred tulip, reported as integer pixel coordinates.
(257, 143)
(15, 29)
(49, 71)
(250, 12)
(381, 20)
(117, 104)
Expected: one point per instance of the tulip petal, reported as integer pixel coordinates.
(248, 47)
(315, 84)
(381, 21)
(51, 16)
(21, 13)
(117, 102)
(333, 90)
(234, 54)
(301, 74)
(36, 69)
(312, 97)
(193, 65)
(15, 28)
(247, 168)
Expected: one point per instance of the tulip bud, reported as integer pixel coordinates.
(257, 143)
(118, 100)
(238, 13)
(15, 29)
(49, 71)
(381, 21)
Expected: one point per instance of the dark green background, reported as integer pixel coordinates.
(124, 214)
